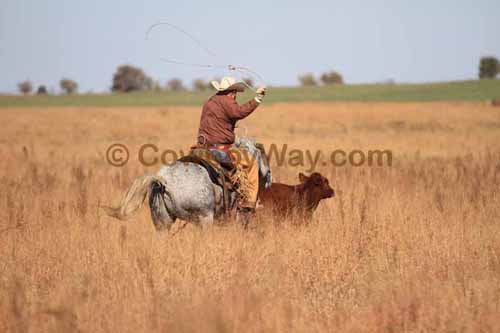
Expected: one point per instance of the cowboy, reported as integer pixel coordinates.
(218, 120)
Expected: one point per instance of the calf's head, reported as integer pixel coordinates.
(318, 185)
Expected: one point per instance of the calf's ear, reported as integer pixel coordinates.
(303, 178)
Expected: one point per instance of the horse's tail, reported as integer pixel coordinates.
(134, 198)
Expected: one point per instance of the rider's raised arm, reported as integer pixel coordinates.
(237, 112)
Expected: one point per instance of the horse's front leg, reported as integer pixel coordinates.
(206, 220)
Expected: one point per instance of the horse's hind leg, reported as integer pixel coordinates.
(162, 221)
(161, 208)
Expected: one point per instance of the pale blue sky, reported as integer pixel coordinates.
(367, 41)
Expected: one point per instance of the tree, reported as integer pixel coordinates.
(69, 86)
(149, 84)
(332, 78)
(488, 68)
(42, 90)
(129, 78)
(25, 87)
(156, 86)
(175, 85)
(307, 79)
(200, 85)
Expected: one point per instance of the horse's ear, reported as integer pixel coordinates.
(303, 178)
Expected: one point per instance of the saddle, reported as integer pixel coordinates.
(220, 171)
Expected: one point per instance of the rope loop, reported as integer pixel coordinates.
(239, 69)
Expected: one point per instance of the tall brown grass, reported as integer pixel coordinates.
(414, 247)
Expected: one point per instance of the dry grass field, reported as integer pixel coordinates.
(412, 247)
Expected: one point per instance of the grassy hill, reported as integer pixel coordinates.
(449, 91)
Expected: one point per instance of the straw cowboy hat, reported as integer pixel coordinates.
(228, 83)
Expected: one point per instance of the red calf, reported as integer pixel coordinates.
(297, 200)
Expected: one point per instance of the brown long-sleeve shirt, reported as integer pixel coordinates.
(219, 116)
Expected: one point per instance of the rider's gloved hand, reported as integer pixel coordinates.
(260, 93)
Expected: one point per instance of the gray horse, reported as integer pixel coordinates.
(184, 190)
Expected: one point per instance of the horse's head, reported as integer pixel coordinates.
(257, 150)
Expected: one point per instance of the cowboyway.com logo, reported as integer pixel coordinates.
(150, 154)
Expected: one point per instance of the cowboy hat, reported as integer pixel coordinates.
(228, 83)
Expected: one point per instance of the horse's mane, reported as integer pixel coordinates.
(245, 142)
(250, 144)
